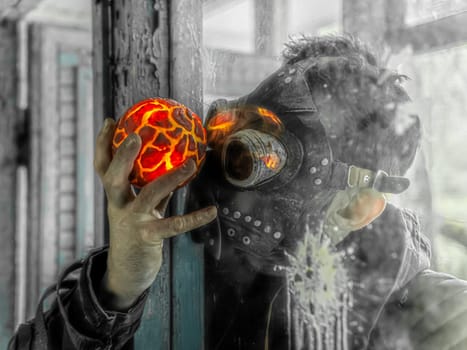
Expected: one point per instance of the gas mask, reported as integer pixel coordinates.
(270, 171)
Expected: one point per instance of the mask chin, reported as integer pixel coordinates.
(253, 226)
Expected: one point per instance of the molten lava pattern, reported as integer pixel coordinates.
(228, 121)
(170, 135)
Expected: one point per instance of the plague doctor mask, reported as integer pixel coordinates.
(270, 170)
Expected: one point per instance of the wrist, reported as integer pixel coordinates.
(113, 295)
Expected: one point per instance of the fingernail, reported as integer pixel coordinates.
(188, 166)
(107, 123)
(210, 212)
(131, 140)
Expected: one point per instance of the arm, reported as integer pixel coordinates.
(76, 319)
(437, 312)
(103, 307)
(429, 313)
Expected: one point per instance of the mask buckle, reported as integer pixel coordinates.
(379, 181)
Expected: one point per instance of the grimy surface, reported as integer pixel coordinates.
(139, 46)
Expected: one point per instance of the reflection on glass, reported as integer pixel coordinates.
(437, 87)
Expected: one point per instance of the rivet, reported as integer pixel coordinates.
(236, 214)
(267, 229)
(247, 218)
(366, 178)
(287, 80)
(277, 235)
(257, 223)
(246, 240)
(318, 181)
(225, 211)
(230, 232)
(211, 241)
(325, 161)
(313, 170)
(292, 70)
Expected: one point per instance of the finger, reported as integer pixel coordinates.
(103, 151)
(116, 183)
(154, 192)
(156, 230)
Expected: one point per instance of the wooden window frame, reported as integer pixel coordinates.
(447, 31)
(153, 49)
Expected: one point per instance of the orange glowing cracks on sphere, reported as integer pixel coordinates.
(170, 135)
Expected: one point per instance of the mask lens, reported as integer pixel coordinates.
(238, 161)
(251, 157)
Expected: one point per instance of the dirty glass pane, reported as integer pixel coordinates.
(439, 82)
(339, 176)
(422, 11)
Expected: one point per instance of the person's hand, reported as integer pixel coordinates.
(136, 223)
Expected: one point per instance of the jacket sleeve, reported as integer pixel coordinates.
(429, 313)
(76, 320)
(438, 312)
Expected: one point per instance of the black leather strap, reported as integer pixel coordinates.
(347, 176)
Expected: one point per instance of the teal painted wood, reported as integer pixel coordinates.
(8, 115)
(187, 257)
(68, 59)
(187, 289)
(154, 332)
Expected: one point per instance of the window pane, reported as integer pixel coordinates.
(422, 11)
(318, 299)
(438, 87)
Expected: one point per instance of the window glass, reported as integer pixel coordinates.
(229, 25)
(422, 11)
(291, 264)
(437, 86)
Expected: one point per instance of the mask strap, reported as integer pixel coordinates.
(348, 176)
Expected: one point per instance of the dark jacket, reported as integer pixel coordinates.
(76, 320)
(413, 308)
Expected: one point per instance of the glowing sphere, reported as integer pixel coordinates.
(170, 135)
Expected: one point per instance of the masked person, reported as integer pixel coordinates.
(305, 252)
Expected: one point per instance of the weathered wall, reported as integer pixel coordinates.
(8, 121)
(140, 52)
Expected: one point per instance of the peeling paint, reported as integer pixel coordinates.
(140, 44)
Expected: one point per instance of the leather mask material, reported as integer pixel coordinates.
(264, 221)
